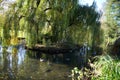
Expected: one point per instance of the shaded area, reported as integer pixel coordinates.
(115, 49)
(55, 49)
(27, 65)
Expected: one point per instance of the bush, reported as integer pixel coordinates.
(105, 68)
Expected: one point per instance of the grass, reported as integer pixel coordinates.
(105, 68)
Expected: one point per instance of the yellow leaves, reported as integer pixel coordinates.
(21, 23)
(46, 30)
(14, 41)
(8, 41)
(14, 52)
(43, 4)
(2, 19)
(21, 34)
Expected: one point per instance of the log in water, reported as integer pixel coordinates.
(54, 49)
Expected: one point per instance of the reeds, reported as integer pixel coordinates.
(104, 68)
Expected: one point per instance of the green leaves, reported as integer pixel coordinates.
(113, 15)
(108, 67)
(61, 19)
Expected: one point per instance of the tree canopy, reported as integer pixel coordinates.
(53, 21)
(113, 17)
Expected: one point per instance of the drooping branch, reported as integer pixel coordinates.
(20, 17)
(47, 9)
(38, 2)
(49, 22)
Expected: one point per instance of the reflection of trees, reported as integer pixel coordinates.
(28, 70)
(10, 64)
(7, 66)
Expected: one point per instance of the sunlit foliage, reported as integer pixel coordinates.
(52, 21)
(105, 68)
(113, 18)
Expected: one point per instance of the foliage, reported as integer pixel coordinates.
(76, 71)
(105, 68)
(113, 18)
(45, 21)
(108, 68)
(83, 74)
(110, 24)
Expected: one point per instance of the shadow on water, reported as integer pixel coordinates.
(27, 65)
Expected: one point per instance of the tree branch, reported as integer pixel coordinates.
(38, 2)
(47, 9)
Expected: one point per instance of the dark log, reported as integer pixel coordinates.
(53, 50)
(47, 9)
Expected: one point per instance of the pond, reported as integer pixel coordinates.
(27, 65)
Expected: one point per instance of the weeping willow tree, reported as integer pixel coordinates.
(59, 18)
(34, 16)
(53, 20)
(75, 23)
(2, 19)
(10, 26)
(85, 26)
(24, 16)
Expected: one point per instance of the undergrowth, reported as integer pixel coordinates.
(104, 68)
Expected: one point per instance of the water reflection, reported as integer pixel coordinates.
(1, 49)
(25, 65)
(18, 66)
(9, 49)
(1, 57)
(21, 55)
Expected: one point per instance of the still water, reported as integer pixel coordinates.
(26, 65)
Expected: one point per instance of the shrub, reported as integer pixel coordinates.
(105, 68)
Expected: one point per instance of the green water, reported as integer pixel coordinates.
(21, 66)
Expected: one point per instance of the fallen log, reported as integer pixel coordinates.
(53, 50)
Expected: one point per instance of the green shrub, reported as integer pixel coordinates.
(105, 68)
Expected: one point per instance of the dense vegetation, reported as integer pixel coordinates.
(105, 67)
(53, 21)
(61, 21)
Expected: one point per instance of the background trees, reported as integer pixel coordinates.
(110, 23)
(113, 18)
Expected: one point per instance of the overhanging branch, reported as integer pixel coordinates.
(47, 9)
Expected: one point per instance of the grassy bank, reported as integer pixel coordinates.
(104, 68)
